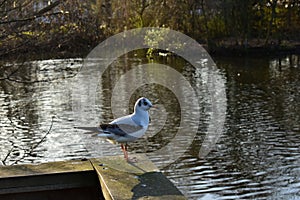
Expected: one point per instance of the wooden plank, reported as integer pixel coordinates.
(45, 168)
(86, 193)
(59, 181)
(139, 180)
(34, 180)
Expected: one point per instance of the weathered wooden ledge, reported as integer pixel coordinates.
(99, 178)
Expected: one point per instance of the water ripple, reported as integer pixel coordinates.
(258, 156)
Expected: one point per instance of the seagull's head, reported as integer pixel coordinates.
(143, 104)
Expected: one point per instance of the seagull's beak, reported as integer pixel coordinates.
(150, 106)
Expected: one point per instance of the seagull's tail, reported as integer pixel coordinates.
(96, 131)
(91, 130)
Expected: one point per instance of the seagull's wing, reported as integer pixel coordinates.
(120, 129)
(123, 120)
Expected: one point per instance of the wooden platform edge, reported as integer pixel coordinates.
(69, 180)
(133, 180)
(118, 179)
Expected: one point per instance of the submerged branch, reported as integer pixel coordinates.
(6, 157)
(29, 151)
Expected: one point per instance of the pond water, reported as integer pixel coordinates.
(252, 103)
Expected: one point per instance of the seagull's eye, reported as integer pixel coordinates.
(145, 103)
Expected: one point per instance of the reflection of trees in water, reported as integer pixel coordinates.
(263, 113)
(259, 150)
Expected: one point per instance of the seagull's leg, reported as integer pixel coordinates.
(126, 155)
(124, 149)
(126, 152)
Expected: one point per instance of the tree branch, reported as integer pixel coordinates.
(7, 155)
(10, 77)
(37, 14)
(29, 151)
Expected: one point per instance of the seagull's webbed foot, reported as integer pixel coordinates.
(132, 160)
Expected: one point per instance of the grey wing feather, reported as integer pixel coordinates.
(120, 129)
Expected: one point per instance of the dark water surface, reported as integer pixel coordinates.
(257, 156)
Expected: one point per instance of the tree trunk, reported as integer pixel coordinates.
(273, 17)
(207, 35)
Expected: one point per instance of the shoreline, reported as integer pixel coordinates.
(226, 50)
(259, 51)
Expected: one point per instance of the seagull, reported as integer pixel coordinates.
(125, 129)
